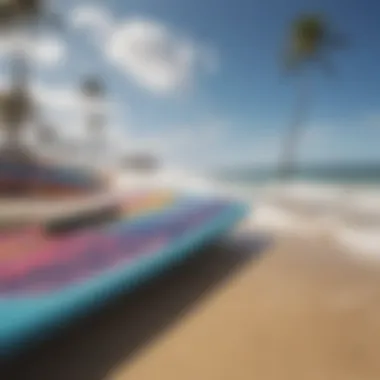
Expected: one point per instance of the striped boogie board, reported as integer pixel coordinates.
(67, 275)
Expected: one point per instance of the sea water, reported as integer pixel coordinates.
(343, 200)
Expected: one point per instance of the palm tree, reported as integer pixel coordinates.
(17, 15)
(94, 91)
(15, 108)
(310, 41)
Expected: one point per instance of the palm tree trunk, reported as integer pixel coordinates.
(288, 157)
(96, 125)
(19, 104)
(20, 69)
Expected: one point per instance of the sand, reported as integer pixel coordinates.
(296, 309)
(306, 311)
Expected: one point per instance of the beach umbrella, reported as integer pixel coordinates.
(15, 105)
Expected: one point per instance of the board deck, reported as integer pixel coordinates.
(45, 280)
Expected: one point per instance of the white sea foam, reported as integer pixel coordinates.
(350, 215)
(365, 241)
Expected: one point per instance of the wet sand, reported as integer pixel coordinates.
(298, 309)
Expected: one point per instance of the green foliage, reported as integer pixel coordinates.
(308, 35)
(311, 38)
(15, 10)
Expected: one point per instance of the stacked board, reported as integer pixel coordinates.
(47, 180)
(46, 280)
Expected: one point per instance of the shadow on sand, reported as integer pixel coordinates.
(91, 347)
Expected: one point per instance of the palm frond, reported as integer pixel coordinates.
(311, 39)
(7, 13)
(14, 11)
(308, 33)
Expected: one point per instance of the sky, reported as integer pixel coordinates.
(201, 83)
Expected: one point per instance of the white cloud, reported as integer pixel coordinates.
(66, 110)
(45, 50)
(94, 19)
(191, 145)
(50, 51)
(150, 53)
(63, 98)
(67, 98)
(154, 56)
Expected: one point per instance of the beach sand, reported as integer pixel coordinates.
(305, 312)
(296, 309)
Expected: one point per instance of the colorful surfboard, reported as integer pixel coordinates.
(46, 280)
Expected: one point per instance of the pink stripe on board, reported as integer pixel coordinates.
(21, 250)
(58, 251)
(9, 236)
(19, 243)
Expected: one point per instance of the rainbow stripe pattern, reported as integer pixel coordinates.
(47, 280)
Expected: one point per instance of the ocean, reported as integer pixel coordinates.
(342, 177)
(343, 200)
(335, 173)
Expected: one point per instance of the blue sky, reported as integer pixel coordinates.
(200, 82)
